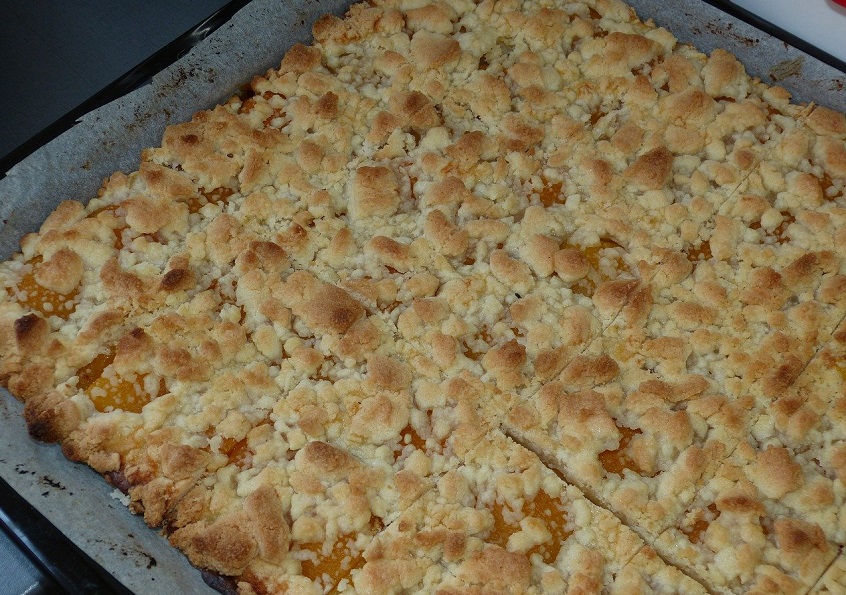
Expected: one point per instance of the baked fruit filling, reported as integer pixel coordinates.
(330, 568)
(695, 532)
(39, 297)
(409, 437)
(617, 460)
(108, 390)
(543, 508)
(215, 196)
(521, 297)
(737, 521)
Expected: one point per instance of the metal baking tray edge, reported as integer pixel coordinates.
(129, 81)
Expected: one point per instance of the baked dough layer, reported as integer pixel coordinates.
(512, 295)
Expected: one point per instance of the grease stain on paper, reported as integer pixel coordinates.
(787, 68)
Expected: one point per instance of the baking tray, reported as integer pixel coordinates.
(129, 81)
(74, 499)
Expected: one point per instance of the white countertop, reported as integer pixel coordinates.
(819, 22)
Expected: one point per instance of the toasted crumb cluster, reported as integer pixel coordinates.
(512, 296)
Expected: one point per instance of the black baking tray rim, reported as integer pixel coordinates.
(129, 81)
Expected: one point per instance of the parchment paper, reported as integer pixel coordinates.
(111, 138)
(764, 56)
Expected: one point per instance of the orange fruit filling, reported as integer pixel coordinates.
(599, 274)
(107, 390)
(40, 299)
(616, 461)
(277, 113)
(118, 231)
(412, 180)
(228, 296)
(236, 450)
(703, 252)
(94, 369)
(408, 435)
(205, 197)
(694, 532)
(113, 392)
(330, 569)
(387, 308)
(825, 184)
(779, 232)
(595, 116)
(248, 104)
(544, 507)
(593, 256)
(551, 194)
(483, 335)
(551, 512)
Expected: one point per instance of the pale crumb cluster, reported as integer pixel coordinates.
(509, 296)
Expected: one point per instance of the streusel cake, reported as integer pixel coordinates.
(510, 296)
